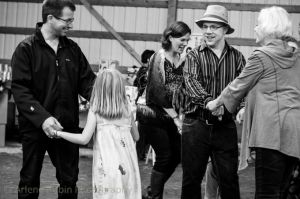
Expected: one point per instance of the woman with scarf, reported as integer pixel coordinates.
(271, 82)
(163, 125)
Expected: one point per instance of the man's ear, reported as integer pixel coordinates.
(226, 29)
(50, 17)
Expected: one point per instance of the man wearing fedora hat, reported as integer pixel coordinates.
(208, 69)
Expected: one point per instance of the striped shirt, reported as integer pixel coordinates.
(206, 75)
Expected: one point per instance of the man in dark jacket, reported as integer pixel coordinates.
(49, 71)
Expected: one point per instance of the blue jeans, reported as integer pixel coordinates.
(201, 141)
(273, 171)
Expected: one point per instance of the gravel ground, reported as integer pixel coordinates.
(11, 160)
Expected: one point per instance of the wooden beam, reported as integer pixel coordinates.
(130, 3)
(172, 11)
(241, 41)
(95, 67)
(252, 7)
(127, 36)
(5, 61)
(102, 21)
(181, 4)
(87, 34)
(120, 3)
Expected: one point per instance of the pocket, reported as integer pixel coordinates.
(189, 121)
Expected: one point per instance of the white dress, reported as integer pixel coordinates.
(115, 166)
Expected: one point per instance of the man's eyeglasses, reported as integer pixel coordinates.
(212, 27)
(67, 21)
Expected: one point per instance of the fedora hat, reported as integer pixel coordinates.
(215, 13)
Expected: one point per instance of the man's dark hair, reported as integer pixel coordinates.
(55, 7)
(146, 55)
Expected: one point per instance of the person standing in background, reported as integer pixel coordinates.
(141, 76)
(48, 72)
(140, 82)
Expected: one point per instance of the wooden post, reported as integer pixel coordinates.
(172, 11)
(102, 21)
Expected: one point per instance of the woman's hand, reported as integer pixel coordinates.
(219, 112)
(213, 105)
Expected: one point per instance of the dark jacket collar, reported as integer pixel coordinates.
(63, 40)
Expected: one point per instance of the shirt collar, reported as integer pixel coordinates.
(204, 46)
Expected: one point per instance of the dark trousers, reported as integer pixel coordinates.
(201, 141)
(273, 172)
(166, 143)
(142, 144)
(64, 156)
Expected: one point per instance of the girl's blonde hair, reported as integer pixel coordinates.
(108, 97)
(275, 22)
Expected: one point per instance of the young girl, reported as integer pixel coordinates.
(115, 166)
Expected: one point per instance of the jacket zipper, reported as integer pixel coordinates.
(57, 69)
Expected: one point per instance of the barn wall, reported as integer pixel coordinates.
(128, 20)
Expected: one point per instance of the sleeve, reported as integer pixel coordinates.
(238, 88)
(240, 66)
(192, 81)
(86, 76)
(22, 87)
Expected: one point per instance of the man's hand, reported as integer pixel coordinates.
(240, 115)
(50, 125)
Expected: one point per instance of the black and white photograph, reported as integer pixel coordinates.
(150, 99)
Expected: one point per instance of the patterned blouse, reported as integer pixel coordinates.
(174, 78)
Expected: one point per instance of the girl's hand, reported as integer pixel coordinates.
(54, 133)
(178, 122)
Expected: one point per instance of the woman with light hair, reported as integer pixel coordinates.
(271, 84)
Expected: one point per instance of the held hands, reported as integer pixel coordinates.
(55, 134)
(51, 126)
(216, 108)
(219, 112)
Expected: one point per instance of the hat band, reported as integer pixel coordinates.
(218, 17)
